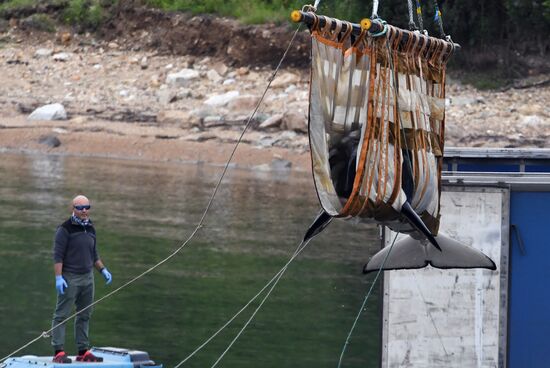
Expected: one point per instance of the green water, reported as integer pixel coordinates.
(143, 212)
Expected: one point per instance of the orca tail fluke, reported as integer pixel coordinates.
(410, 253)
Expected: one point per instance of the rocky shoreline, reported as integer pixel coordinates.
(111, 91)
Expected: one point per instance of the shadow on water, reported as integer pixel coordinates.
(143, 211)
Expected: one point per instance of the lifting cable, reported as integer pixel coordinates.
(274, 280)
(197, 227)
(419, 15)
(365, 302)
(438, 18)
(374, 14)
(412, 24)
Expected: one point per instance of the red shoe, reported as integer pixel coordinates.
(61, 358)
(88, 357)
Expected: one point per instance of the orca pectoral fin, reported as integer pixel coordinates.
(418, 224)
(322, 220)
(410, 253)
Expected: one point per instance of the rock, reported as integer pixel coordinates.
(112, 45)
(206, 136)
(534, 120)
(182, 119)
(203, 112)
(287, 135)
(243, 70)
(284, 80)
(229, 81)
(201, 137)
(54, 111)
(41, 53)
(213, 76)
(184, 93)
(262, 167)
(222, 100)
(295, 120)
(166, 96)
(78, 120)
(60, 130)
(530, 109)
(290, 88)
(213, 120)
(247, 102)
(272, 122)
(62, 56)
(144, 63)
(64, 38)
(452, 130)
(266, 141)
(49, 140)
(154, 81)
(220, 68)
(183, 78)
(460, 101)
(279, 164)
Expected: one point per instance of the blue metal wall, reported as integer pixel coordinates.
(529, 294)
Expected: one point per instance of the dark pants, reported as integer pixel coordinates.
(80, 292)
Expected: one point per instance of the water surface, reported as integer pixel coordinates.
(143, 211)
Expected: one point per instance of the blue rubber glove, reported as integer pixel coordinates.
(60, 284)
(107, 275)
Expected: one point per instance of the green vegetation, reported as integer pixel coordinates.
(42, 22)
(247, 11)
(16, 5)
(87, 14)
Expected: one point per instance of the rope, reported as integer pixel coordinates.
(412, 24)
(365, 302)
(382, 32)
(419, 15)
(374, 9)
(438, 18)
(198, 226)
(258, 307)
(277, 275)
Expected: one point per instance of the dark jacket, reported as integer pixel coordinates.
(75, 247)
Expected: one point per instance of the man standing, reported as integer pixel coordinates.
(75, 256)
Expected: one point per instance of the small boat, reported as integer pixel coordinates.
(112, 358)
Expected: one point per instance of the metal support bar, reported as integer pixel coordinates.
(371, 25)
(308, 18)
